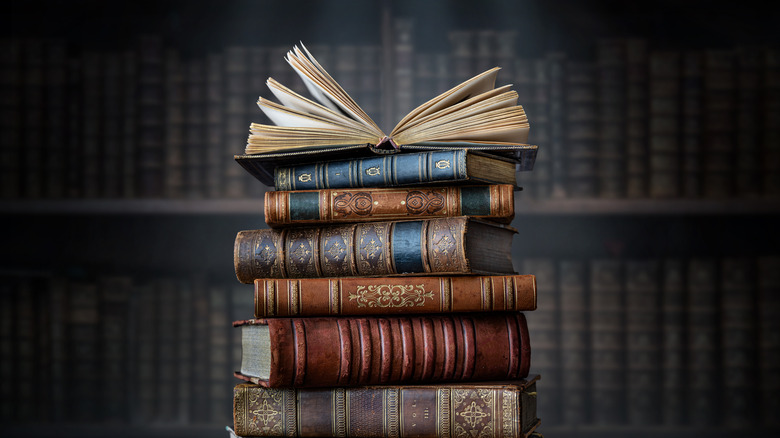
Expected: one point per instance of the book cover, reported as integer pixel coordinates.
(435, 246)
(397, 295)
(575, 342)
(494, 202)
(486, 409)
(673, 341)
(350, 351)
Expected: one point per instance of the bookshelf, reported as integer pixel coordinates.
(83, 209)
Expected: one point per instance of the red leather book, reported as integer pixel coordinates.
(500, 409)
(351, 351)
(393, 295)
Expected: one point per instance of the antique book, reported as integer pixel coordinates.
(574, 342)
(396, 295)
(719, 123)
(768, 327)
(350, 351)
(637, 105)
(664, 121)
(582, 129)
(691, 146)
(458, 245)
(611, 98)
(673, 342)
(491, 202)
(150, 150)
(473, 111)
(498, 409)
(428, 165)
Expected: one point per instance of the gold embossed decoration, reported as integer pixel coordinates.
(473, 411)
(264, 412)
(418, 202)
(391, 295)
(348, 204)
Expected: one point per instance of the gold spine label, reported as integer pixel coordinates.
(391, 295)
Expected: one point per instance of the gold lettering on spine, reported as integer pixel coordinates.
(339, 412)
(393, 424)
(446, 289)
(295, 297)
(508, 403)
(443, 413)
(510, 289)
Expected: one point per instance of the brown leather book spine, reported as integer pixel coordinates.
(506, 410)
(393, 295)
(349, 351)
(493, 202)
(432, 246)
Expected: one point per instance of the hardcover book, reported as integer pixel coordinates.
(500, 409)
(350, 351)
(458, 245)
(473, 112)
(493, 202)
(397, 295)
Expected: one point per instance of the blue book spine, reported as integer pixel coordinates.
(380, 171)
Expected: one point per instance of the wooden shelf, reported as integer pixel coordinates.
(567, 207)
(114, 430)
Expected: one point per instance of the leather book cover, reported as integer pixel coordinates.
(351, 351)
(496, 409)
(394, 295)
(434, 246)
(491, 202)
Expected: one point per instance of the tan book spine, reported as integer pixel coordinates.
(493, 202)
(397, 295)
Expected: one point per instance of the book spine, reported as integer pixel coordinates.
(738, 343)
(544, 325)
(174, 107)
(195, 125)
(582, 153)
(146, 353)
(83, 352)
(413, 411)
(636, 118)
(575, 361)
(11, 72)
(673, 336)
(56, 121)
(91, 89)
(768, 304)
(219, 356)
(151, 117)
(235, 121)
(611, 65)
(704, 375)
(166, 376)
(8, 343)
(114, 294)
(494, 202)
(539, 109)
(691, 91)
(399, 349)
(381, 171)
(27, 354)
(719, 123)
(557, 146)
(110, 126)
(403, 63)
(399, 295)
(215, 170)
(33, 119)
(185, 339)
(770, 127)
(748, 107)
(364, 249)
(664, 132)
(643, 342)
(129, 124)
(58, 311)
(199, 407)
(74, 159)
(607, 340)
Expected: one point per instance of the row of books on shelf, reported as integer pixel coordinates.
(118, 349)
(150, 121)
(637, 342)
(658, 342)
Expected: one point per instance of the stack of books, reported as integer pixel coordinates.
(385, 298)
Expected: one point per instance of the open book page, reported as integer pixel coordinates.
(267, 138)
(477, 85)
(324, 88)
(508, 124)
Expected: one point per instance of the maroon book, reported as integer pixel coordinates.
(350, 351)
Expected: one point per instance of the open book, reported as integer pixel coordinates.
(474, 112)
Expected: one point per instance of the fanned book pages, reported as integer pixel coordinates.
(472, 115)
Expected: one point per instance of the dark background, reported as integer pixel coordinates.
(74, 242)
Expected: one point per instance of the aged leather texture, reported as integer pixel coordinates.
(350, 351)
(492, 202)
(431, 246)
(393, 295)
(500, 409)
